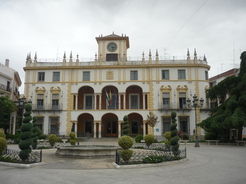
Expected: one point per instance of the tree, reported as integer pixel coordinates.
(231, 113)
(34, 133)
(26, 134)
(152, 120)
(7, 107)
(126, 130)
(174, 134)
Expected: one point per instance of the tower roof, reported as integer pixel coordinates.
(114, 37)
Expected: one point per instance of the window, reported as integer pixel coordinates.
(56, 76)
(88, 101)
(134, 127)
(133, 101)
(41, 76)
(166, 124)
(166, 100)
(183, 124)
(55, 101)
(54, 125)
(39, 123)
(182, 100)
(165, 74)
(8, 86)
(181, 74)
(40, 101)
(134, 75)
(86, 76)
(206, 75)
(111, 57)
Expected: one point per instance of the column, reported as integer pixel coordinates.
(144, 128)
(76, 101)
(100, 101)
(95, 101)
(119, 129)
(14, 123)
(95, 129)
(100, 129)
(124, 101)
(144, 101)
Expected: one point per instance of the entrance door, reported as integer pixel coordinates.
(111, 128)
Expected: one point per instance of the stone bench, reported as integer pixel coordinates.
(10, 141)
(64, 140)
(241, 143)
(209, 141)
(185, 141)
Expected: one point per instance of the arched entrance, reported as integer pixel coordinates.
(136, 124)
(110, 125)
(85, 125)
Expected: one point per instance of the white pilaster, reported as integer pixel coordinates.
(95, 128)
(100, 129)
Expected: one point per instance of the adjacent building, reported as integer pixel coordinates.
(9, 86)
(91, 98)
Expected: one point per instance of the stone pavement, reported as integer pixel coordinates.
(215, 164)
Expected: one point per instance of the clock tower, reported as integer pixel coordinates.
(113, 47)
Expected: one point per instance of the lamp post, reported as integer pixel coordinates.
(20, 104)
(195, 105)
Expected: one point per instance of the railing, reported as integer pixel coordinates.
(156, 150)
(47, 107)
(172, 106)
(34, 156)
(5, 87)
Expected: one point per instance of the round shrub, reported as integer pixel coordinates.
(73, 141)
(3, 145)
(25, 144)
(52, 139)
(28, 107)
(72, 135)
(125, 142)
(2, 134)
(210, 136)
(174, 133)
(173, 126)
(149, 139)
(126, 155)
(42, 136)
(186, 137)
(174, 140)
(167, 135)
(138, 138)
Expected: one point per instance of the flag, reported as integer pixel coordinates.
(107, 97)
(110, 98)
(115, 101)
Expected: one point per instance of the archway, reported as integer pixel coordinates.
(110, 125)
(85, 125)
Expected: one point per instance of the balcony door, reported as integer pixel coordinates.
(111, 128)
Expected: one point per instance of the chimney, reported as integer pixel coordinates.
(7, 62)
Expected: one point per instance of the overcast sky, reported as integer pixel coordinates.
(216, 28)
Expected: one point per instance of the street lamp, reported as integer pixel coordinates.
(195, 105)
(20, 104)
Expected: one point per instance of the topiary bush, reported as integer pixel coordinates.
(167, 135)
(26, 134)
(125, 142)
(3, 145)
(34, 133)
(126, 155)
(2, 134)
(210, 136)
(52, 139)
(149, 139)
(73, 141)
(126, 130)
(73, 138)
(138, 138)
(72, 135)
(174, 134)
(43, 136)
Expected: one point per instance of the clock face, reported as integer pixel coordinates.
(112, 47)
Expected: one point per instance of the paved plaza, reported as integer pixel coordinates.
(208, 164)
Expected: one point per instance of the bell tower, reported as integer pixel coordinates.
(113, 47)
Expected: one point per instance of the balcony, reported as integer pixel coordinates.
(173, 107)
(47, 107)
(5, 87)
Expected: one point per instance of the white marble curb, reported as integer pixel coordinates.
(27, 166)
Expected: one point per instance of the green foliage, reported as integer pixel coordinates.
(126, 155)
(7, 107)
(167, 135)
(153, 159)
(7, 159)
(3, 145)
(186, 137)
(26, 134)
(149, 139)
(73, 141)
(126, 130)
(52, 139)
(230, 114)
(174, 133)
(138, 138)
(43, 136)
(210, 136)
(34, 133)
(72, 135)
(125, 142)
(2, 134)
